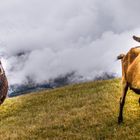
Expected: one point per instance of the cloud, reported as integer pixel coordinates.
(45, 39)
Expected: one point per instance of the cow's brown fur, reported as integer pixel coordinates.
(130, 75)
(3, 85)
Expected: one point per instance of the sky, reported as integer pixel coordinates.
(45, 39)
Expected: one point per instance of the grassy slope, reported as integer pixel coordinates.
(82, 111)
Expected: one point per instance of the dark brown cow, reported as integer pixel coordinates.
(3, 84)
(130, 74)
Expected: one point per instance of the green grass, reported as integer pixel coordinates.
(85, 111)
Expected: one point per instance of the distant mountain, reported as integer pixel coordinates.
(105, 76)
(31, 86)
(16, 90)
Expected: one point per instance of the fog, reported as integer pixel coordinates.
(43, 39)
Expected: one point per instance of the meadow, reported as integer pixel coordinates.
(86, 111)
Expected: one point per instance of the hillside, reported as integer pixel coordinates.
(85, 111)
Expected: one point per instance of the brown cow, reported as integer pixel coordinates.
(3, 84)
(130, 74)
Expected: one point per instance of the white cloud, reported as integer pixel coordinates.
(57, 37)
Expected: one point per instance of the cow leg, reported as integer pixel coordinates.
(2, 99)
(122, 101)
(139, 101)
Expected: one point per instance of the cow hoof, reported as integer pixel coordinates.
(120, 120)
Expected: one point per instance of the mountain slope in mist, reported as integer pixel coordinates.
(80, 111)
(63, 80)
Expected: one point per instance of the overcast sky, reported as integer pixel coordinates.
(43, 39)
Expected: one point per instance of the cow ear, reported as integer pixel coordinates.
(1, 69)
(121, 56)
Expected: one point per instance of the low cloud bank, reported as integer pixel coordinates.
(43, 40)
